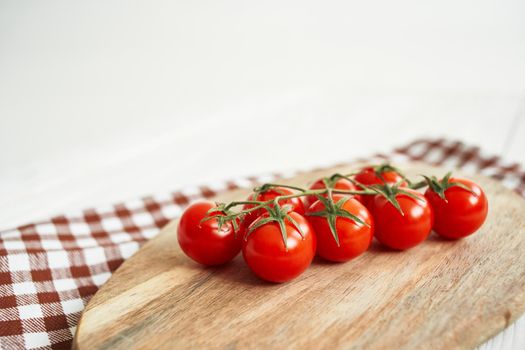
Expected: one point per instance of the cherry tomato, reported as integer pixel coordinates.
(367, 176)
(266, 255)
(203, 241)
(462, 213)
(398, 231)
(354, 238)
(340, 184)
(296, 203)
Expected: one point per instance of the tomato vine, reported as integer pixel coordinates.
(275, 212)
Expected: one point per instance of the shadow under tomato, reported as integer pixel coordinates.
(378, 248)
(322, 261)
(434, 237)
(238, 272)
(374, 249)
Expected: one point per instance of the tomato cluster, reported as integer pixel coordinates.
(281, 228)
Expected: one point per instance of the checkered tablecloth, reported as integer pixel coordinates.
(50, 269)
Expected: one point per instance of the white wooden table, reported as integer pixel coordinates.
(102, 101)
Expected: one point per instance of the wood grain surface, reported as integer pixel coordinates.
(439, 295)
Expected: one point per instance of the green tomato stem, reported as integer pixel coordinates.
(418, 185)
(270, 185)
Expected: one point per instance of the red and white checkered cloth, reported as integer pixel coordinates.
(50, 269)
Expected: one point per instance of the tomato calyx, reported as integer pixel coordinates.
(223, 215)
(277, 213)
(440, 186)
(380, 169)
(331, 181)
(390, 193)
(276, 187)
(334, 210)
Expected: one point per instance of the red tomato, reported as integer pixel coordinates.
(367, 176)
(341, 184)
(265, 253)
(203, 241)
(354, 238)
(296, 203)
(463, 212)
(398, 231)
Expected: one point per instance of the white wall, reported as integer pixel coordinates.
(106, 100)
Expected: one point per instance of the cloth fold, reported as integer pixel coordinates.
(50, 269)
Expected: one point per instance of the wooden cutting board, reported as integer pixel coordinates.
(439, 295)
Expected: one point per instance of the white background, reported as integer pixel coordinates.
(102, 101)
